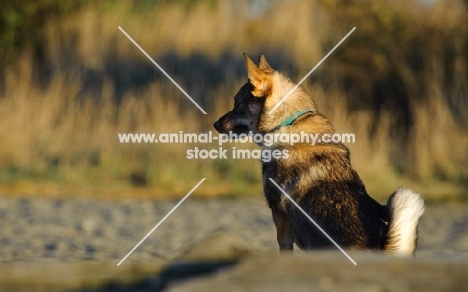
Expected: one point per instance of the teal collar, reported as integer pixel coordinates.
(291, 119)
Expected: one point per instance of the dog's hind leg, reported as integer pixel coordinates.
(283, 230)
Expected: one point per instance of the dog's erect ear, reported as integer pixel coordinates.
(260, 80)
(263, 64)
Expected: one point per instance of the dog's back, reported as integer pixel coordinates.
(321, 180)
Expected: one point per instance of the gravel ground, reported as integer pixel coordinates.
(71, 230)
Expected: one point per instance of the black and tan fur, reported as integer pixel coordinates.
(318, 177)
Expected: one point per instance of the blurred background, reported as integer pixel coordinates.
(70, 81)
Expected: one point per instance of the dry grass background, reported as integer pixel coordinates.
(399, 83)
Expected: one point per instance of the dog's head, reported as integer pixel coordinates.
(253, 102)
(249, 101)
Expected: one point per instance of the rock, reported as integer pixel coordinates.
(218, 247)
(331, 271)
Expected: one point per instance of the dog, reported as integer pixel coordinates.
(318, 177)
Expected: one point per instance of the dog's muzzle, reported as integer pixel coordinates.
(217, 125)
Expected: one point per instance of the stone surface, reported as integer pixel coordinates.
(331, 271)
(74, 243)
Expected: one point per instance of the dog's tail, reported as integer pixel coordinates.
(405, 207)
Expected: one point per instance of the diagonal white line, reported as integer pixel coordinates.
(310, 72)
(312, 220)
(160, 222)
(162, 70)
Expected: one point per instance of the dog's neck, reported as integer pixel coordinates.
(292, 118)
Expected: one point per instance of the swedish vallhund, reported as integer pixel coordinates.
(318, 177)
